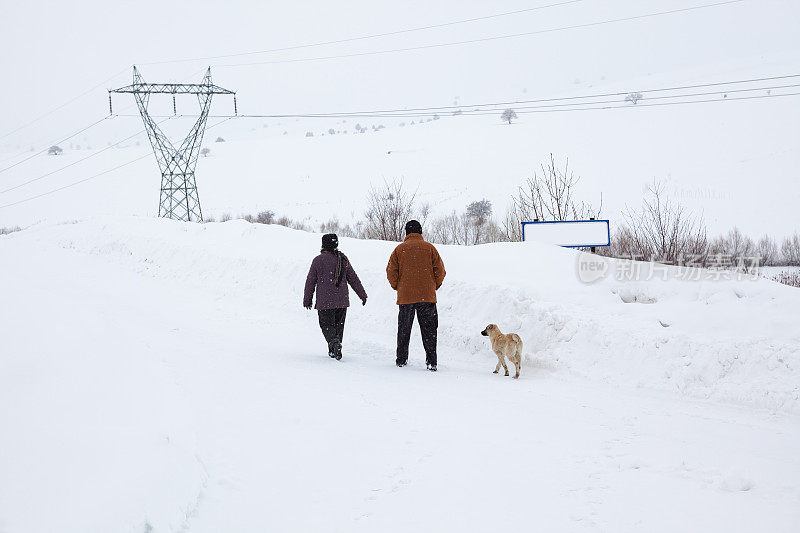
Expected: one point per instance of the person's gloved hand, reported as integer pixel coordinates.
(364, 301)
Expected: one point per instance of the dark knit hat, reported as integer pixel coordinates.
(330, 242)
(413, 226)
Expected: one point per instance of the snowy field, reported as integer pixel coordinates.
(163, 377)
(160, 376)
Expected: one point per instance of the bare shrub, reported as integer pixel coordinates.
(548, 196)
(10, 229)
(265, 217)
(205, 151)
(55, 150)
(209, 218)
(388, 210)
(298, 225)
(788, 277)
(225, 217)
(662, 230)
(333, 226)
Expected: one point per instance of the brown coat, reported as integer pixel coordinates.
(415, 270)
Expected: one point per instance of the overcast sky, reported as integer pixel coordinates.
(54, 51)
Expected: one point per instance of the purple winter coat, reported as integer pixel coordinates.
(322, 276)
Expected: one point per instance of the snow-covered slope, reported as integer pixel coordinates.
(713, 158)
(164, 375)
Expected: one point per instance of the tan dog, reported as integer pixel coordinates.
(505, 346)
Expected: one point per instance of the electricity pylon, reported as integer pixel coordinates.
(178, 198)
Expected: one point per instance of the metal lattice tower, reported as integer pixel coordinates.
(178, 198)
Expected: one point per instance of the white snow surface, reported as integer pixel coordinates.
(163, 376)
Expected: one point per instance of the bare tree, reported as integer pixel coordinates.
(477, 216)
(205, 151)
(790, 249)
(767, 250)
(424, 213)
(634, 98)
(446, 229)
(548, 196)
(474, 226)
(733, 244)
(388, 210)
(54, 150)
(480, 211)
(662, 230)
(508, 115)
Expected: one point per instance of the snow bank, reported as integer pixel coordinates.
(160, 376)
(727, 340)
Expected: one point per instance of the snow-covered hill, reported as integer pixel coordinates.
(161, 376)
(732, 162)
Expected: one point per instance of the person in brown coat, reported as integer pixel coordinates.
(416, 271)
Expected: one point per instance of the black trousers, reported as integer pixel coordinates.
(331, 322)
(428, 320)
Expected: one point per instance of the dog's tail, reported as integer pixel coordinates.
(518, 342)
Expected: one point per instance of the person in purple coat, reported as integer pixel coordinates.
(330, 273)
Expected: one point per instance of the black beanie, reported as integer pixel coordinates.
(330, 242)
(413, 226)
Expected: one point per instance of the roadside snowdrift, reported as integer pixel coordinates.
(729, 340)
(160, 376)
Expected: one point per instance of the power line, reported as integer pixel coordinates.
(55, 143)
(571, 101)
(488, 108)
(627, 106)
(582, 97)
(73, 184)
(494, 112)
(664, 97)
(76, 162)
(659, 104)
(37, 119)
(483, 39)
(420, 111)
(525, 110)
(38, 141)
(369, 36)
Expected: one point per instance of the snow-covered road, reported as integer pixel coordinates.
(139, 399)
